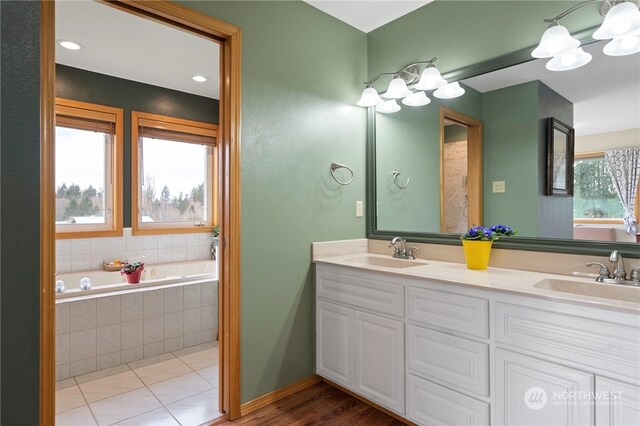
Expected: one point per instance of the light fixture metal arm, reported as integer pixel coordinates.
(406, 67)
(574, 8)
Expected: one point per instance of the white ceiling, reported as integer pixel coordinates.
(367, 15)
(126, 46)
(605, 92)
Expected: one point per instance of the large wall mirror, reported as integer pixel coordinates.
(601, 101)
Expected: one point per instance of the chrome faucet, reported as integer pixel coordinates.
(400, 250)
(634, 276)
(618, 266)
(618, 275)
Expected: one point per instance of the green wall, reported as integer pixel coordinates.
(301, 75)
(87, 86)
(409, 141)
(19, 212)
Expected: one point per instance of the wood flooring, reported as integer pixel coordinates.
(320, 404)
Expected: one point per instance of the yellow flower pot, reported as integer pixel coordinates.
(476, 253)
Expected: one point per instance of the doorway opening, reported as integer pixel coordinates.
(96, 335)
(460, 172)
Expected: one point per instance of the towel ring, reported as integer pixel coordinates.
(395, 180)
(335, 166)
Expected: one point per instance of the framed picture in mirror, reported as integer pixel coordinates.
(560, 147)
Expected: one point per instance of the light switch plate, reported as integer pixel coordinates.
(359, 208)
(498, 186)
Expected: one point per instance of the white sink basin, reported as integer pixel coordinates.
(594, 289)
(385, 262)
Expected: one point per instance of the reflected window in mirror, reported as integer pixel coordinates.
(595, 199)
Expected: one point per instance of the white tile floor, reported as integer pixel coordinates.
(174, 389)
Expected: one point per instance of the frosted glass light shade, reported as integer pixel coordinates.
(430, 79)
(555, 40)
(450, 91)
(397, 89)
(416, 99)
(626, 45)
(569, 60)
(369, 98)
(623, 18)
(388, 107)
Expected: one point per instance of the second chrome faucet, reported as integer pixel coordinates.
(619, 274)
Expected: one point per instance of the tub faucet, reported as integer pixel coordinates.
(618, 266)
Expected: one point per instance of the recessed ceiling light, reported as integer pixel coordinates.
(68, 44)
(199, 78)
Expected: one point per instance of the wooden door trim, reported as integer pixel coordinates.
(47, 214)
(474, 164)
(230, 39)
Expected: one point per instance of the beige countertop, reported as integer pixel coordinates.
(497, 279)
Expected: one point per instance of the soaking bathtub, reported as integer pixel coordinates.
(174, 307)
(153, 275)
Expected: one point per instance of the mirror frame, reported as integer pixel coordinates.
(588, 247)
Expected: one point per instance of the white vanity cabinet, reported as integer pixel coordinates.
(360, 334)
(439, 353)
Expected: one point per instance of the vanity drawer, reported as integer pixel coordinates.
(464, 314)
(606, 347)
(373, 292)
(458, 363)
(432, 404)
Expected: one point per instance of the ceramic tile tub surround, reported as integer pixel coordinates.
(87, 254)
(107, 331)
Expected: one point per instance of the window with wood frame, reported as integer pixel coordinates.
(88, 169)
(174, 174)
(595, 200)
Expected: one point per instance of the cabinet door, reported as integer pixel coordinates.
(379, 354)
(538, 393)
(334, 343)
(617, 403)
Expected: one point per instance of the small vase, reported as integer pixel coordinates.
(476, 253)
(134, 277)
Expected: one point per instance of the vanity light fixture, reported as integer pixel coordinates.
(569, 60)
(369, 97)
(450, 91)
(400, 88)
(199, 78)
(397, 89)
(621, 24)
(68, 44)
(388, 107)
(416, 99)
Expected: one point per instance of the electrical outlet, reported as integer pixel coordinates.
(359, 208)
(499, 186)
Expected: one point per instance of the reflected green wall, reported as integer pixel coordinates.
(510, 154)
(409, 141)
(302, 71)
(462, 33)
